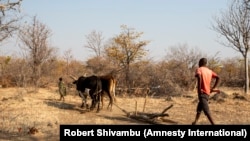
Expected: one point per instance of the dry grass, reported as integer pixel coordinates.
(22, 111)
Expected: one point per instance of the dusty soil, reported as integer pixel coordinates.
(23, 111)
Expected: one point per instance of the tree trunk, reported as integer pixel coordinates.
(246, 74)
(127, 77)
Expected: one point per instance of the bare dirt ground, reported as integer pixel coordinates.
(22, 111)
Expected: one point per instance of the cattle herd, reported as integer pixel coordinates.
(97, 86)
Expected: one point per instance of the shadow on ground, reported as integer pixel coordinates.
(123, 119)
(64, 105)
(6, 136)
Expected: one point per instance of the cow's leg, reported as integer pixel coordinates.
(84, 102)
(84, 99)
(99, 101)
(111, 93)
(102, 95)
(93, 98)
(92, 103)
(81, 95)
(110, 100)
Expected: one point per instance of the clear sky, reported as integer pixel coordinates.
(165, 22)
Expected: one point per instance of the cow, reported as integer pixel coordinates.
(108, 88)
(94, 84)
(84, 96)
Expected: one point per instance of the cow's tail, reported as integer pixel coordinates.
(113, 90)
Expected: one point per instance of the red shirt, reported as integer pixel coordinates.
(206, 77)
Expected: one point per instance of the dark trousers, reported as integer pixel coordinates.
(203, 104)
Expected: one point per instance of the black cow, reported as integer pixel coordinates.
(94, 84)
(108, 87)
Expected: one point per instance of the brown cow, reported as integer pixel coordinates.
(108, 84)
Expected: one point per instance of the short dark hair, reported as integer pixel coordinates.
(60, 78)
(203, 62)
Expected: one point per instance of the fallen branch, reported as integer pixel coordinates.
(124, 111)
(144, 118)
(152, 118)
(165, 110)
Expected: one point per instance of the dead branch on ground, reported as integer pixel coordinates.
(152, 118)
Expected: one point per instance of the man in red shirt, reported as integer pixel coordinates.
(204, 77)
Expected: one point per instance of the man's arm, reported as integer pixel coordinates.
(198, 76)
(217, 79)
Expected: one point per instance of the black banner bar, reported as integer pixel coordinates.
(147, 132)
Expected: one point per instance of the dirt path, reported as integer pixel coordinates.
(21, 111)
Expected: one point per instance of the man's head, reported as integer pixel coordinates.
(60, 79)
(203, 62)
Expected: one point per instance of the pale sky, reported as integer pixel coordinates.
(165, 23)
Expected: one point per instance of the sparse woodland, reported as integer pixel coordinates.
(40, 66)
(173, 75)
(124, 55)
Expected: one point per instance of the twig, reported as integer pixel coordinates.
(167, 109)
(145, 102)
(136, 107)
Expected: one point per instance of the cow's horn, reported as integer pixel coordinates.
(72, 77)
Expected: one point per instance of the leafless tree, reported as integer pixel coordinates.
(95, 42)
(35, 39)
(247, 3)
(68, 58)
(182, 61)
(9, 10)
(234, 26)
